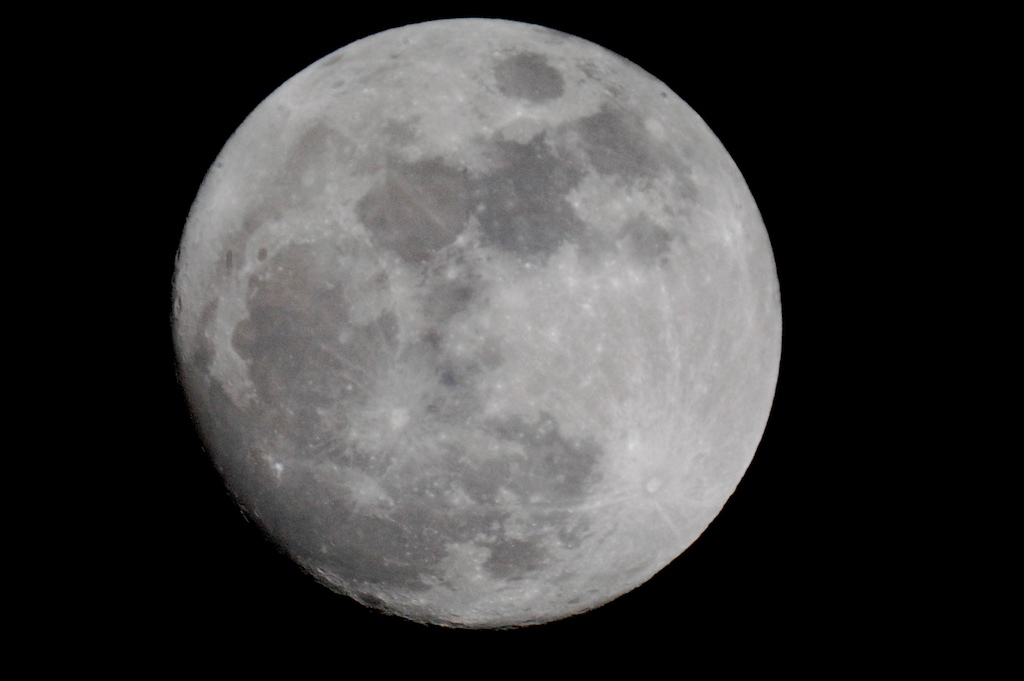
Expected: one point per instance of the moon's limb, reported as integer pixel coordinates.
(479, 320)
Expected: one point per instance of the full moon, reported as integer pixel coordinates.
(478, 321)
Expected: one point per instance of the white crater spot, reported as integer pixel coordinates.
(399, 418)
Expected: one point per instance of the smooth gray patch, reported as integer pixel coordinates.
(387, 323)
(448, 297)
(400, 133)
(294, 352)
(309, 162)
(528, 76)
(331, 60)
(482, 481)
(417, 209)
(618, 144)
(289, 339)
(524, 206)
(514, 558)
(269, 208)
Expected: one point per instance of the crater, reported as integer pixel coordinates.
(645, 240)
(571, 535)
(529, 76)
(331, 60)
(370, 601)
(268, 209)
(447, 298)
(482, 481)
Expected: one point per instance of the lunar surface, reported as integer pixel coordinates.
(479, 321)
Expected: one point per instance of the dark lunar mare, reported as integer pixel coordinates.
(529, 76)
(359, 441)
(523, 202)
(417, 209)
(300, 368)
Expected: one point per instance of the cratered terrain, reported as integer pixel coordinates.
(479, 322)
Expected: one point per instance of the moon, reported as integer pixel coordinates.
(478, 321)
